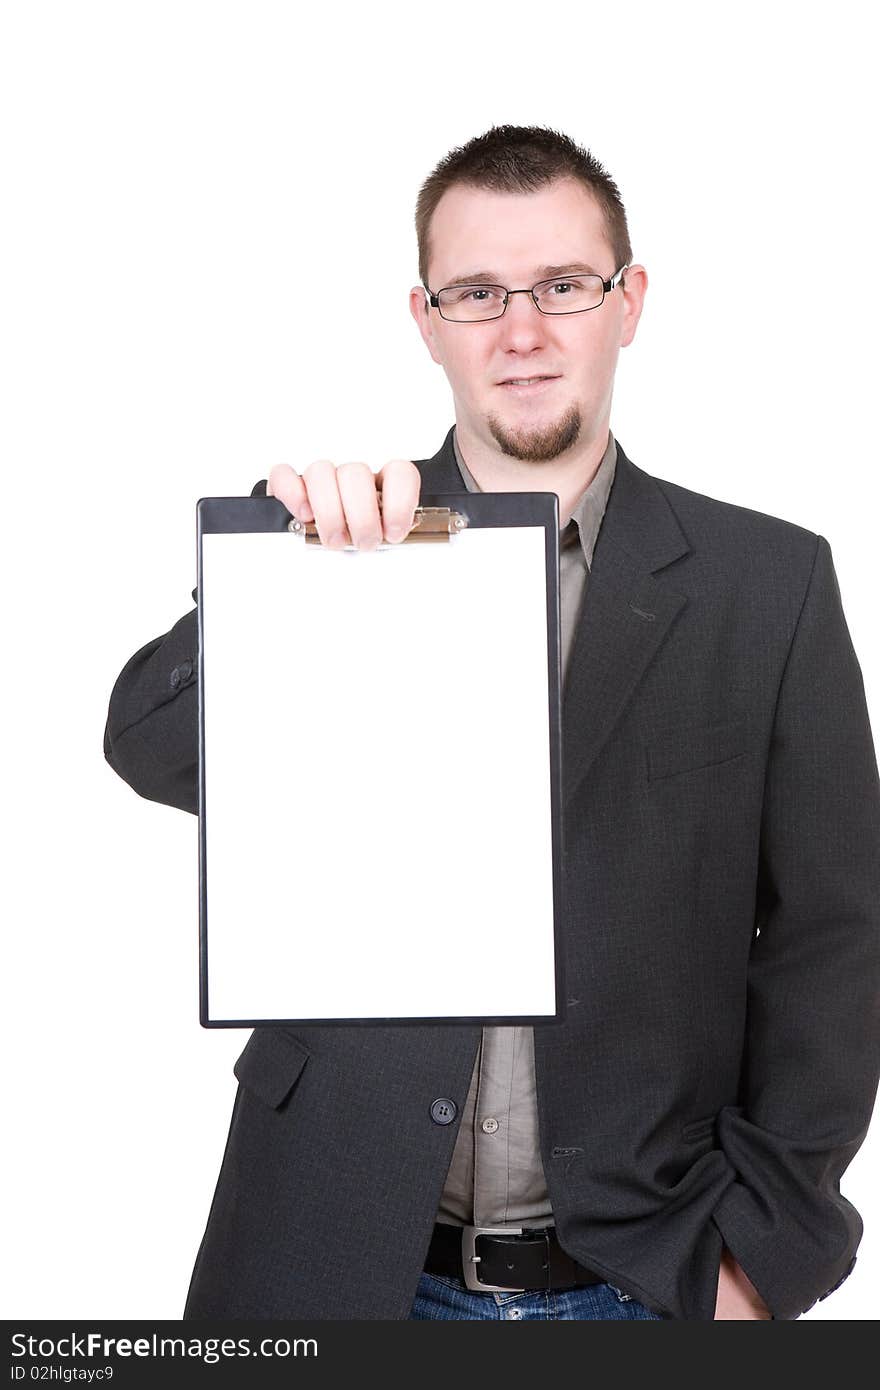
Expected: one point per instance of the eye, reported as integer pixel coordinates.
(468, 294)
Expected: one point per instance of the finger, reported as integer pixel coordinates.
(323, 495)
(400, 482)
(357, 488)
(286, 484)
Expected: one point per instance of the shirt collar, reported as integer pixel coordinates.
(589, 510)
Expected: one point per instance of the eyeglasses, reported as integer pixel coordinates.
(575, 294)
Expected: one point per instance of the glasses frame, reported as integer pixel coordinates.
(607, 287)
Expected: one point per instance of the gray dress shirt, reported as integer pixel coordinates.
(496, 1177)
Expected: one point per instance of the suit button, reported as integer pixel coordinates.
(443, 1111)
(175, 677)
(186, 670)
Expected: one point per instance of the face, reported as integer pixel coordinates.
(509, 238)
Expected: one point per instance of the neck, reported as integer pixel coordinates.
(568, 476)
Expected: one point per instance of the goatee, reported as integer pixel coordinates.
(537, 445)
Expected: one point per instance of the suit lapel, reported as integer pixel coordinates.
(625, 616)
(626, 612)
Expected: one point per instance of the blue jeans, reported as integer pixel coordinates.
(442, 1296)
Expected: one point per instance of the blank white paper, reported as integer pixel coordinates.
(377, 778)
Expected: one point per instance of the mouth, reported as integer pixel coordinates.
(527, 386)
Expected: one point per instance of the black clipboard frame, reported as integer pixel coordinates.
(238, 515)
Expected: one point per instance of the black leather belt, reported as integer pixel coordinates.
(487, 1258)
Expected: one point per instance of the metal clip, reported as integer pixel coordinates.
(429, 524)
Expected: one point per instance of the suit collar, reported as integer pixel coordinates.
(441, 473)
(626, 614)
(638, 519)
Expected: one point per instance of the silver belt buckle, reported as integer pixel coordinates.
(470, 1259)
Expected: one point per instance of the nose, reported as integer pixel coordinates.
(522, 325)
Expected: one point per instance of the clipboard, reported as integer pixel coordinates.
(380, 807)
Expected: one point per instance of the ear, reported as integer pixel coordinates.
(423, 315)
(634, 287)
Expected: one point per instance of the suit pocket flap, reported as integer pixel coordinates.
(270, 1064)
(683, 750)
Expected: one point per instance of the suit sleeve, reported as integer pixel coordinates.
(151, 737)
(810, 1063)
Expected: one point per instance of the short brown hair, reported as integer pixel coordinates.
(521, 159)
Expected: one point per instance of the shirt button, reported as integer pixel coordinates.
(489, 1126)
(443, 1111)
(514, 1312)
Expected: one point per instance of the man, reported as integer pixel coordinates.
(674, 1148)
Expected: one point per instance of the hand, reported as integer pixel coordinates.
(738, 1299)
(342, 500)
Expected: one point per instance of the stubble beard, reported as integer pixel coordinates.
(537, 445)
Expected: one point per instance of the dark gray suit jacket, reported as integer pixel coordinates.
(718, 1065)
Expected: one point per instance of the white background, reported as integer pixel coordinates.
(177, 179)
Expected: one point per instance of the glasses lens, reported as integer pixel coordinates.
(570, 296)
(469, 303)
